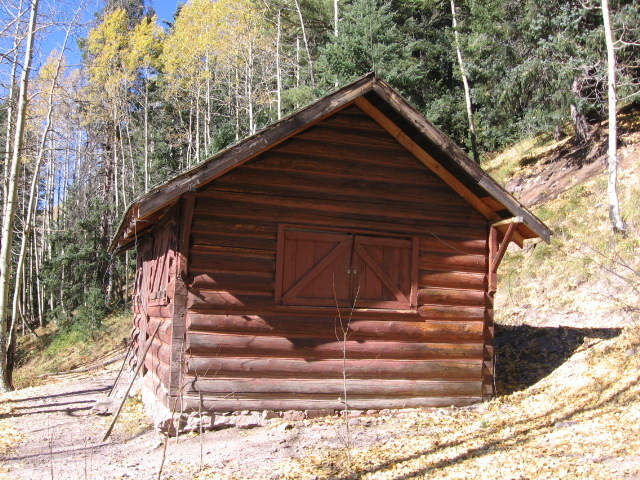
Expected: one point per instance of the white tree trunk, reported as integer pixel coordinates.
(465, 82)
(306, 45)
(278, 72)
(33, 193)
(614, 203)
(12, 194)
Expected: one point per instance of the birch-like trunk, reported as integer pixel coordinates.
(10, 102)
(12, 194)
(465, 83)
(306, 45)
(614, 203)
(278, 72)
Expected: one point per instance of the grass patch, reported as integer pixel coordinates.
(57, 350)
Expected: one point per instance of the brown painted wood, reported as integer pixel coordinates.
(320, 369)
(183, 233)
(453, 262)
(459, 280)
(213, 300)
(299, 326)
(232, 281)
(452, 313)
(453, 297)
(234, 403)
(384, 388)
(201, 262)
(426, 158)
(369, 222)
(216, 344)
(353, 209)
(266, 178)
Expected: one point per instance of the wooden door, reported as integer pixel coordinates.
(317, 268)
(382, 272)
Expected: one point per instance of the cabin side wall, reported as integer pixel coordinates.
(153, 305)
(247, 348)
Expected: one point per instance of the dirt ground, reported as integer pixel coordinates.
(61, 438)
(58, 436)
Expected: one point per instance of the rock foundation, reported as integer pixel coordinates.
(164, 420)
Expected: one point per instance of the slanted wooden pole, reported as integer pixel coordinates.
(135, 374)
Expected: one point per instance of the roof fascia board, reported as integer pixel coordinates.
(422, 155)
(488, 184)
(241, 152)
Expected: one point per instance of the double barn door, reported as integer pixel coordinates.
(320, 268)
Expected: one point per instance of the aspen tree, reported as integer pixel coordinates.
(10, 200)
(614, 203)
(465, 83)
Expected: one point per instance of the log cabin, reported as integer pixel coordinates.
(351, 237)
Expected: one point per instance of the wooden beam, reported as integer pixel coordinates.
(493, 249)
(495, 262)
(507, 221)
(446, 176)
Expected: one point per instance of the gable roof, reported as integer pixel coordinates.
(382, 103)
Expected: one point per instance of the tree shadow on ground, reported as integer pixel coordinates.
(526, 354)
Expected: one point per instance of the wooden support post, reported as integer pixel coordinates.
(180, 294)
(493, 251)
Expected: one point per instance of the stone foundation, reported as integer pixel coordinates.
(165, 421)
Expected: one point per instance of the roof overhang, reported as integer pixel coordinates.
(390, 110)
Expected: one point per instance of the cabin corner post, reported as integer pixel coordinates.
(488, 364)
(180, 300)
(496, 251)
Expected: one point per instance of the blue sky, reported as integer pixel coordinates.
(164, 8)
(52, 39)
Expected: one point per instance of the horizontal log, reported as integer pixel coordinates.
(397, 157)
(212, 240)
(458, 280)
(201, 262)
(160, 351)
(164, 330)
(161, 370)
(325, 327)
(255, 282)
(160, 311)
(295, 368)
(256, 228)
(384, 388)
(300, 184)
(155, 385)
(456, 262)
(443, 242)
(329, 161)
(327, 220)
(226, 403)
(250, 345)
(448, 296)
(232, 249)
(324, 132)
(452, 313)
(208, 300)
(227, 201)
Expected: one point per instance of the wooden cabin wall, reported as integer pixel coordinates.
(153, 305)
(245, 351)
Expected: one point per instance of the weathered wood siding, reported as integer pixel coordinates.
(246, 350)
(153, 305)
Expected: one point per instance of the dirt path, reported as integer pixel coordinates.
(62, 439)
